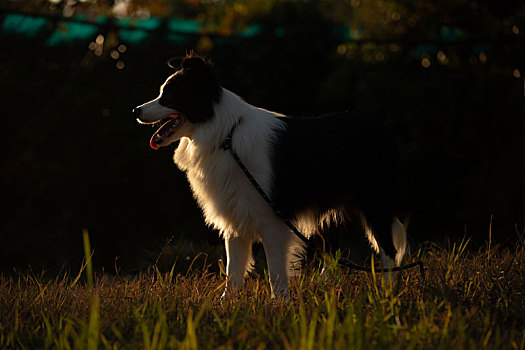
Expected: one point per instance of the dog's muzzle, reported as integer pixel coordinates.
(152, 112)
(137, 112)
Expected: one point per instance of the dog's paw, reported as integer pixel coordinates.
(281, 295)
(225, 295)
(228, 294)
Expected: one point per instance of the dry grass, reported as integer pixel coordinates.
(469, 300)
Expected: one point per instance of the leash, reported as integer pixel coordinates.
(226, 145)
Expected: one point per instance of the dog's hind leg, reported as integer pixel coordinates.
(386, 263)
(384, 236)
(240, 261)
(399, 241)
(399, 238)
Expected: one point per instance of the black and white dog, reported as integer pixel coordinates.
(317, 171)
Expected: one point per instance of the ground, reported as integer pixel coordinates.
(470, 299)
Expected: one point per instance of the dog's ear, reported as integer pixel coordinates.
(195, 62)
(175, 62)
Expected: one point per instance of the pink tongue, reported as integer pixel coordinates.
(164, 131)
(152, 143)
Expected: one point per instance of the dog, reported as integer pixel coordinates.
(318, 171)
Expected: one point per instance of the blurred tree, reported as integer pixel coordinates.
(371, 20)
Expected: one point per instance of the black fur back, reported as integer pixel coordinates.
(347, 162)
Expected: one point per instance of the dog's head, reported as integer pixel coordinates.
(186, 99)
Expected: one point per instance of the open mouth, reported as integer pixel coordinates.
(162, 136)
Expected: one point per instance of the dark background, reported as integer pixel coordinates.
(74, 158)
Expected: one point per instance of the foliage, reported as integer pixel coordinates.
(374, 20)
(470, 300)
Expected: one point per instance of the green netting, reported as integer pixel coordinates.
(101, 19)
(423, 49)
(136, 31)
(251, 31)
(70, 32)
(23, 25)
(147, 24)
(132, 36)
(178, 39)
(450, 34)
(184, 26)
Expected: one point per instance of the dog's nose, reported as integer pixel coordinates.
(137, 111)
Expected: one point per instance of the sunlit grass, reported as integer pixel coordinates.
(471, 299)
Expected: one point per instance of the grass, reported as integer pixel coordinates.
(470, 300)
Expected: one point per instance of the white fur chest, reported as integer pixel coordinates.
(228, 200)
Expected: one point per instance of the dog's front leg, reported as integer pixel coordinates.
(239, 255)
(277, 244)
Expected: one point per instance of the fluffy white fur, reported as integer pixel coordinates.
(228, 200)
